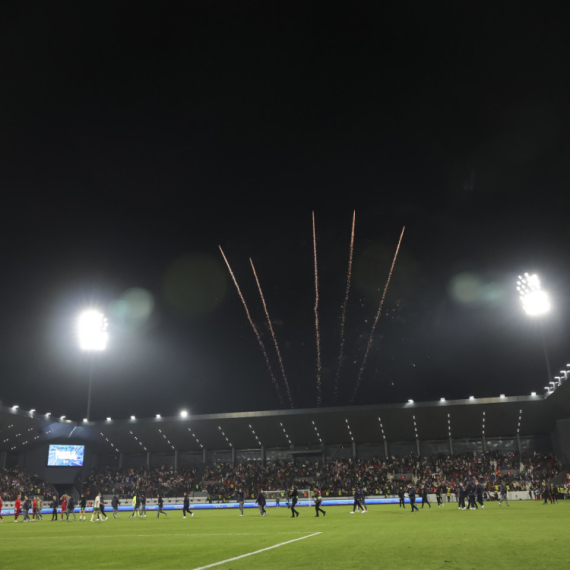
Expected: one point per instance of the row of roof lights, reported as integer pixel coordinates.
(349, 430)
(164, 436)
(483, 429)
(107, 440)
(449, 424)
(382, 428)
(253, 432)
(285, 432)
(415, 426)
(316, 431)
(520, 418)
(195, 438)
(139, 442)
(220, 428)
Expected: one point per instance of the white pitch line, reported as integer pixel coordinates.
(158, 535)
(256, 552)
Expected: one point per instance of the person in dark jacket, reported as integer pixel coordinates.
(240, 500)
(425, 500)
(294, 496)
(461, 496)
(503, 494)
(402, 496)
(438, 492)
(357, 501)
(470, 489)
(54, 506)
(70, 508)
(26, 508)
(479, 493)
(261, 502)
(142, 512)
(82, 506)
(102, 503)
(115, 505)
(160, 504)
(412, 495)
(186, 506)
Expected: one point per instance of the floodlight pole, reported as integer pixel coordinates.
(90, 384)
(546, 357)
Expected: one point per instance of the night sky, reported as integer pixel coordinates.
(136, 139)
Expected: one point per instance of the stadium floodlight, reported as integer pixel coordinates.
(158, 416)
(48, 414)
(183, 414)
(535, 303)
(85, 420)
(92, 330)
(32, 410)
(62, 417)
(93, 337)
(442, 399)
(471, 397)
(502, 396)
(410, 401)
(534, 299)
(15, 407)
(533, 393)
(108, 419)
(133, 418)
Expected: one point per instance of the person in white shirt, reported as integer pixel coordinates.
(97, 508)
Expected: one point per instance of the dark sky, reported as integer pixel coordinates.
(135, 139)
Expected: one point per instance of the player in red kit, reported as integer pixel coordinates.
(63, 505)
(17, 508)
(1, 518)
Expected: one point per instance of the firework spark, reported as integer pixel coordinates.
(272, 334)
(359, 377)
(262, 346)
(317, 333)
(343, 311)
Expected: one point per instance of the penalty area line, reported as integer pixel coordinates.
(256, 552)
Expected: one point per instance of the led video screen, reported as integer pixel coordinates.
(66, 455)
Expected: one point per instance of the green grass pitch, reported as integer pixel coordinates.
(525, 535)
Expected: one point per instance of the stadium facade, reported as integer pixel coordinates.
(519, 423)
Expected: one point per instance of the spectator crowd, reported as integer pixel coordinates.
(127, 482)
(14, 482)
(339, 477)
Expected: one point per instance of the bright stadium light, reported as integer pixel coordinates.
(535, 303)
(92, 330)
(183, 414)
(133, 418)
(533, 393)
(15, 407)
(534, 299)
(442, 399)
(93, 336)
(158, 416)
(108, 419)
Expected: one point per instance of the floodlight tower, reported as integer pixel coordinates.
(535, 303)
(93, 337)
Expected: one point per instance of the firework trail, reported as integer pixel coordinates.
(253, 327)
(343, 311)
(359, 377)
(317, 333)
(272, 334)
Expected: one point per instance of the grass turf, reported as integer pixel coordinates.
(525, 535)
